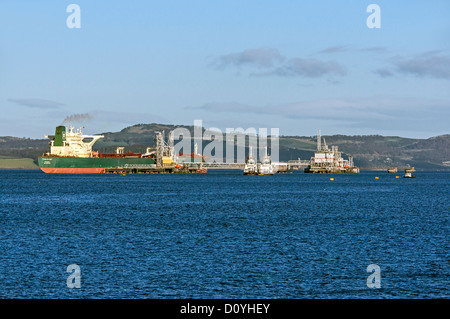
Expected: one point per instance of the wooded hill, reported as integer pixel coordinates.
(369, 151)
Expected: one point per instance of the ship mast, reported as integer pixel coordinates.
(319, 147)
(159, 148)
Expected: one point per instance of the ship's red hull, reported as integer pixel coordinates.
(73, 170)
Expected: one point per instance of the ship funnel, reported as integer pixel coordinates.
(60, 136)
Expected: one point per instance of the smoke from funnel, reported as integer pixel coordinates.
(78, 118)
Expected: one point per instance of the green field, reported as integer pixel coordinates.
(298, 144)
(23, 163)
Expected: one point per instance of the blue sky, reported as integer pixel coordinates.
(293, 65)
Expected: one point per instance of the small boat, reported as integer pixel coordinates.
(250, 167)
(266, 167)
(408, 173)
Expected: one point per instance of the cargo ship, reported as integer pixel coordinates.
(70, 153)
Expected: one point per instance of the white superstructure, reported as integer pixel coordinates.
(266, 167)
(72, 143)
(327, 160)
(250, 167)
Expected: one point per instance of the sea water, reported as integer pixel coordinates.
(224, 235)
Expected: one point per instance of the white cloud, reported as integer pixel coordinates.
(432, 64)
(275, 64)
(260, 57)
(37, 103)
(384, 113)
(309, 68)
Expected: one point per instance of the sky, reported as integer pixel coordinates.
(294, 65)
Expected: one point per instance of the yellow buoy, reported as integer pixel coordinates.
(396, 176)
(376, 177)
(331, 179)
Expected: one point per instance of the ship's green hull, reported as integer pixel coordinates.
(77, 165)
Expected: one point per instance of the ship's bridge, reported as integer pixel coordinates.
(72, 142)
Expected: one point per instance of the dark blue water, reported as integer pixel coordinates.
(224, 235)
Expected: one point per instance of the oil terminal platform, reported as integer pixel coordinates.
(326, 161)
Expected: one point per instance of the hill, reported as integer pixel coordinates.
(369, 151)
